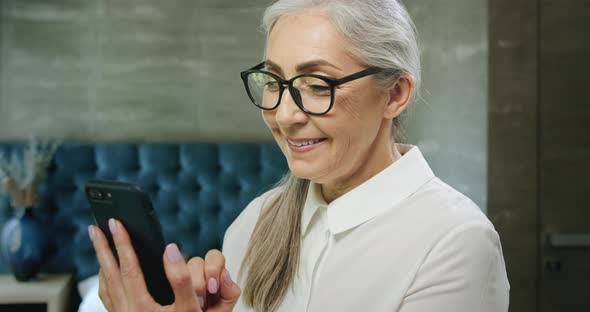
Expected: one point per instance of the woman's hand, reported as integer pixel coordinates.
(212, 282)
(123, 288)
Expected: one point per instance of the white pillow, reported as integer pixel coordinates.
(88, 290)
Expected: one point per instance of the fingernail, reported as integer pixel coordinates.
(173, 253)
(112, 226)
(91, 232)
(212, 286)
(227, 278)
(201, 301)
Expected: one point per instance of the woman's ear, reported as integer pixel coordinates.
(400, 96)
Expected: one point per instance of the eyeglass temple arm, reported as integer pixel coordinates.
(366, 72)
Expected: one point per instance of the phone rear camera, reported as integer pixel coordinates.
(95, 194)
(109, 195)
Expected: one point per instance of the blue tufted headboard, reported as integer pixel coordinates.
(197, 191)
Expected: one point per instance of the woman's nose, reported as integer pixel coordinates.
(288, 113)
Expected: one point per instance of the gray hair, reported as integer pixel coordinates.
(381, 32)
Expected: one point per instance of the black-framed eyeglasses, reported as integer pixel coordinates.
(313, 94)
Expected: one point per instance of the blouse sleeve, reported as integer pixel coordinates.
(465, 271)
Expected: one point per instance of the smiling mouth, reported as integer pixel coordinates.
(305, 142)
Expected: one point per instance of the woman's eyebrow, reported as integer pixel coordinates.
(301, 67)
(274, 66)
(315, 63)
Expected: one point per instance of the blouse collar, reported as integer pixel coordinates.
(374, 196)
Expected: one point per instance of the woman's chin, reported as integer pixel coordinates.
(303, 170)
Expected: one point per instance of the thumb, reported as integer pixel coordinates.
(229, 293)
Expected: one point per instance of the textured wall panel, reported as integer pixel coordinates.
(448, 120)
(128, 71)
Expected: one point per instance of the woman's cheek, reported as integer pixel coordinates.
(269, 120)
(348, 107)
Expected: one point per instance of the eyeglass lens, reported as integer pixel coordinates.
(314, 94)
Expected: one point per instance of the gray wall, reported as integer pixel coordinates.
(129, 70)
(449, 121)
(139, 70)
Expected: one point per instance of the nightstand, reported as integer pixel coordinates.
(48, 292)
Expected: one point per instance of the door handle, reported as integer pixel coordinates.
(569, 240)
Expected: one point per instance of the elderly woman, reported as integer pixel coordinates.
(361, 223)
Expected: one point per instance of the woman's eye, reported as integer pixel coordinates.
(272, 85)
(320, 90)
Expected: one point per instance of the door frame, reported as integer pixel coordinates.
(513, 118)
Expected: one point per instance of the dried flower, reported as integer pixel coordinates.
(22, 173)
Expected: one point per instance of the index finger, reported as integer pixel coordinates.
(131, 274)
(109, 269)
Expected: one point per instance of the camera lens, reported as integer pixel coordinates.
(95, 194)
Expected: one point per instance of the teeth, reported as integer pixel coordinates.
(304, 143)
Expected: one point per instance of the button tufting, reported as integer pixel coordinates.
(196, 191)
(94, 167)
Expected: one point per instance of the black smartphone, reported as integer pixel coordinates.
(132, 206)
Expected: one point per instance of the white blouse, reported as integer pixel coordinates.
(402, 241)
